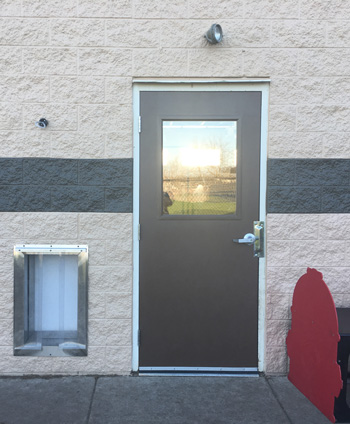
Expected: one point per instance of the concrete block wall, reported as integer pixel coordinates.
(73, 62)
(295, 242)
(110, 288)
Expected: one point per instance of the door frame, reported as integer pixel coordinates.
(139, 85)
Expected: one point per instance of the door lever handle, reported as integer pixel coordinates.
(249, 238)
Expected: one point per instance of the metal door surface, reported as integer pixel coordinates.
(199, 190)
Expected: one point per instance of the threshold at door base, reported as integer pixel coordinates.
(200, 371)
(198, 374)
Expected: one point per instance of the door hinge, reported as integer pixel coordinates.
(139, 124)
(139, 232)
(138, 337)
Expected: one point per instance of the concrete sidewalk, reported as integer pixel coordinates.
(154, 400)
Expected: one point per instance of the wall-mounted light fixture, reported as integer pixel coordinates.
(42, 123)
(214, 34)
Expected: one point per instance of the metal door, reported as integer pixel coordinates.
(199, 190)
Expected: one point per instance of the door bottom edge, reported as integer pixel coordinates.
(199, 374)
(200, 371)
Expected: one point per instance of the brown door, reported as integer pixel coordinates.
(199, 189)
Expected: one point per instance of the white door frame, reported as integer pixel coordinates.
(197, 85)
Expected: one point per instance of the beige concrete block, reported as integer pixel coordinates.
(270, 62)
(24, 144)
(10, 116)
(24, 89)
(319, 118)
(11, 225)
(6, 331)
(140, 33)
(77, 32)
(118, 305)
(346, 301)
(119, 90)
(333, 226)
(10, 60)
(102, 118)
(61, 117)
(6, 306)
(119, 252)
(119, 144)
(159, 62)
(11, 8)
(24, 32)
(41, 225)
(314, 254)
(170, 9)
(336, 145)
(105, 226)
(296, 90)
(282, 118)
(246, 33)
(276, 332)
(97, 306)
(283, 279)
(78, 145)
(275, 9)
(118, 360)
(105, 8)
(116, 62)
(49, 8)
(77, 89)
(324, 9)
(338, 34)
(6, 254)
(220, 9)
(295, 145)
(110, 278)
(7, 360)
(337, 91)
(276, 360)
(336, 278)
(338, 300)
(278, 306)
(278, 253)
(110, 332)
(96, 251)
(293, 227)
(182, 33)
(324, 62)
(53, 61)
(293, 33)
(204, 62)
(94, 363)
(6, 273)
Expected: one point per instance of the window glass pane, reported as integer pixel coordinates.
(199, 167)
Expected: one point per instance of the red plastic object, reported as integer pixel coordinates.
(312, 343)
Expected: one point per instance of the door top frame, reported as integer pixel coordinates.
(200, 81)
(140, 85)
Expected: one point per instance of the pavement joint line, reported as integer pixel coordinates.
(278, 401)
(91, 401)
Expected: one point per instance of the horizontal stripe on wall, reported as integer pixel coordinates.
(65, 185)
(308, 186)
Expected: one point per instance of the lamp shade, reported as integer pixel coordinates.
(214, 34)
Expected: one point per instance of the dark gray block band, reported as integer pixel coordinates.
(308, 186)
(65, 185)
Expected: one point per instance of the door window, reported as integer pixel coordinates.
(199, 167)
